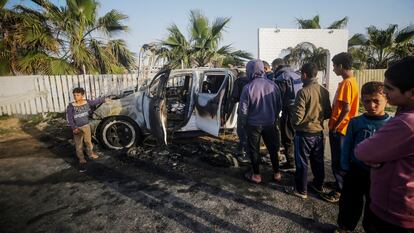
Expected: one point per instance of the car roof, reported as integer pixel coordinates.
(201, 70)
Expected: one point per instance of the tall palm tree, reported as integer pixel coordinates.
(313, 23)
(67, 39)
(382, 46)
(202, 47)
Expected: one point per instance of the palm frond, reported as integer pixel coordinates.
(309, 23)
(5, 67)
(224, 50)
(199, 26)
(29, 11)
(405, 35)
(48, 6)
(41, 63)
(120, 52)
(357, 39)
(339, 24)
(218, 26)
(83, 11)
(101, 56)
(3, 3)
(111, 22)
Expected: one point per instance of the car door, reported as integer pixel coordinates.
(209, 102)
(154, 106)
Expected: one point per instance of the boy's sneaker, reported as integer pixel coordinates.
(287, 167)
(294, 192)
(316, 189)
(243, 158)
(82, 167)
(332, 197)
(266, 160)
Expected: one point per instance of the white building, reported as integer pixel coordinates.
(272, 42)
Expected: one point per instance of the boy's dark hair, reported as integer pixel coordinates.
(371, 88)
(310, 69)
(266, 65)
(78, 90)
(277, 63)
(344, 59)
(401, 74)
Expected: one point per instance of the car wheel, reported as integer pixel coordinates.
(119, 133)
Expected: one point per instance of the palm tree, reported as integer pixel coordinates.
(3, 3)
(66, 40)
(314, 23)
(176, 48)
(201, 48)
(28, 44)
(382, 47)
(306, 52)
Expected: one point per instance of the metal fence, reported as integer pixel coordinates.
(364, 76)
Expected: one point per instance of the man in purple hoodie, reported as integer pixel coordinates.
(260, 104)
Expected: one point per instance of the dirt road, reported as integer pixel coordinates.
(156, 190)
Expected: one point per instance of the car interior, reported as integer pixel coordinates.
(178, 97)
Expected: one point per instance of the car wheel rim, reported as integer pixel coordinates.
(119, 134)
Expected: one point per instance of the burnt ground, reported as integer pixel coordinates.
(192, 186)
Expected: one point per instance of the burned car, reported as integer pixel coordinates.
(174, 101)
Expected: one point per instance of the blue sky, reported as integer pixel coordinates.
(148, 20)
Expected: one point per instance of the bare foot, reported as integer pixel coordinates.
(277, 177)
(93, 156)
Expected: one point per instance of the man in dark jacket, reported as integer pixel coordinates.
(289, 83)
(312, 108)
(238, 85)
(268, 70)
(260, 104)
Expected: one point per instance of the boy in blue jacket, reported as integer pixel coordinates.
(357, 178)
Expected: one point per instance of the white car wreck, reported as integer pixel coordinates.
(174, 101)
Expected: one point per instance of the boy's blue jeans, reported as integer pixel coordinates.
(336, 141)
(309, 148)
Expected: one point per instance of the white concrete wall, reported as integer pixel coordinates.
(272, 41)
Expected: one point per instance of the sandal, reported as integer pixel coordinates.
(249, 177)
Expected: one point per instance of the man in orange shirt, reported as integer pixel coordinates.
(345, 106)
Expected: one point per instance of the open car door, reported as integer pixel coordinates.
(209, 101)
(154, 106)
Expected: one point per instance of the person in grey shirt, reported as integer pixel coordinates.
(77, 116)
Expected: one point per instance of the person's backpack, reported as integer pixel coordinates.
(290, 83)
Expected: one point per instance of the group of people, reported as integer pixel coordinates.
(372, 154)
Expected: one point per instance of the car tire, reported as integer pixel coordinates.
(118, 133)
